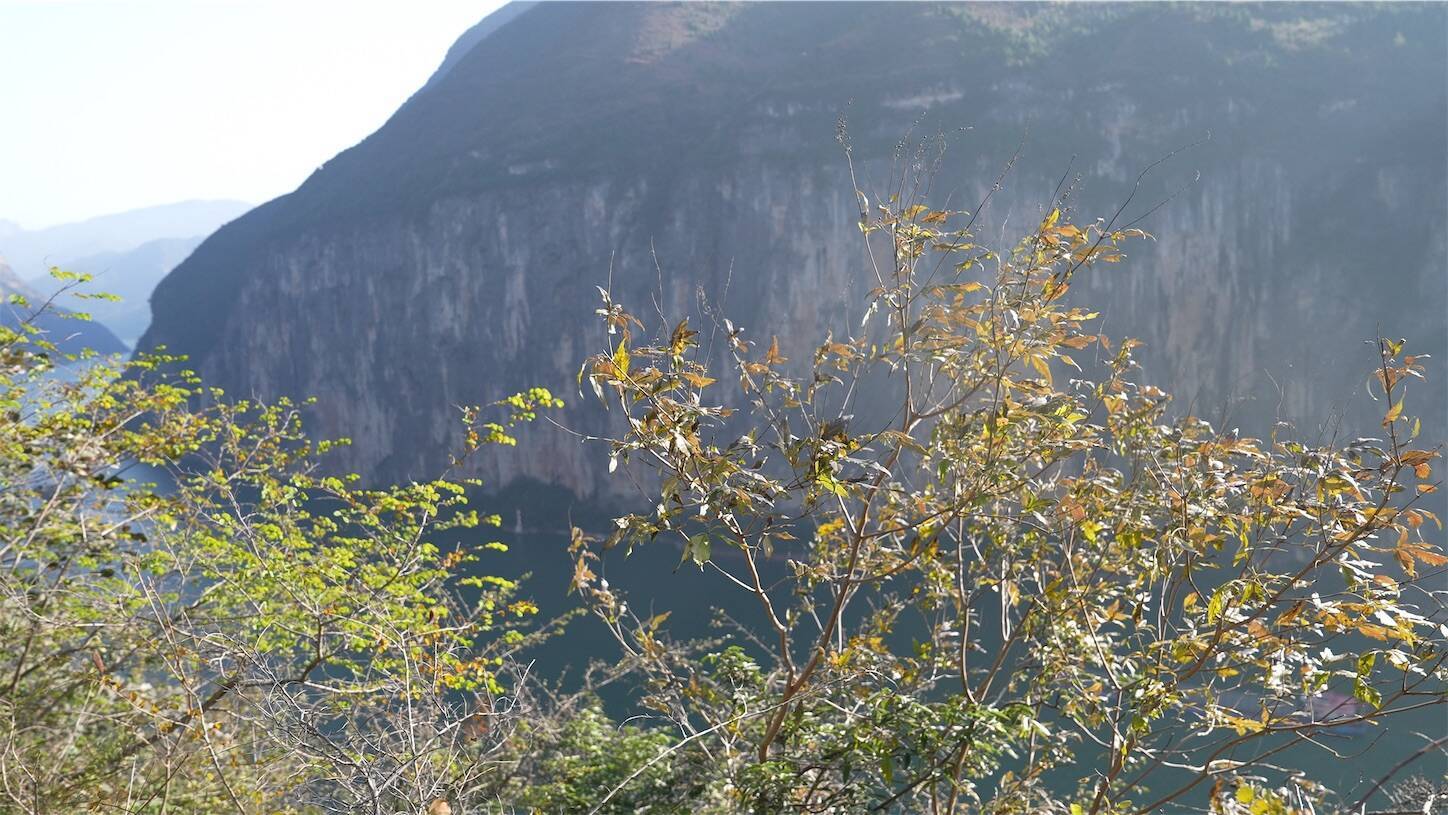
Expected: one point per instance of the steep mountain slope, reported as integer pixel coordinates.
(450, 258)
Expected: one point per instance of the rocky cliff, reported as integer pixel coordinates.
(688, 151)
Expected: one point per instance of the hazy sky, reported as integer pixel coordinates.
(109, 105)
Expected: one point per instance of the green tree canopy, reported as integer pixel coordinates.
(247, 636)
(997, 572)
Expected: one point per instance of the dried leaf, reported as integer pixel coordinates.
(772, 356)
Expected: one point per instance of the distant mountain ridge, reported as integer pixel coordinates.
(128, 253)
(32, 252)
(450, 257)
(131, 275)
(69, 334)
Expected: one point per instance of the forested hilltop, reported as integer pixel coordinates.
(687, 150)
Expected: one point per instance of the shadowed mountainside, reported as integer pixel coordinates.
(451, 257)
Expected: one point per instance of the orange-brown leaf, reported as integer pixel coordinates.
(772, 356)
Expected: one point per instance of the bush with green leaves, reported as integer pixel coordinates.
(995, 571)
(248, 636)
(991, 571)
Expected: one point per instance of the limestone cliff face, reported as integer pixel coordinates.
(686, 154)
(395, 326)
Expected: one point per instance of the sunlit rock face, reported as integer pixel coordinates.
(686, 155)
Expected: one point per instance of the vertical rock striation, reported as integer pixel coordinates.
(685, 153)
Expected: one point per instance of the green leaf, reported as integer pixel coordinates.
(1218, 603)
(697, 549)
(1364, 692)
(1365, 664)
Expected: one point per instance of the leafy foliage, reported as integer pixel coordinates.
(995, 572)
(249, 636)
(588, 753)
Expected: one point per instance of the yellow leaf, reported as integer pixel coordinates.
(621, 359)
(1290, 614)
(1244, 726)
(1377, 632)
(682, 337)
(1039, 363)
(1393, 413)
(1430, 557)
(698, 381)
(1405, 559)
